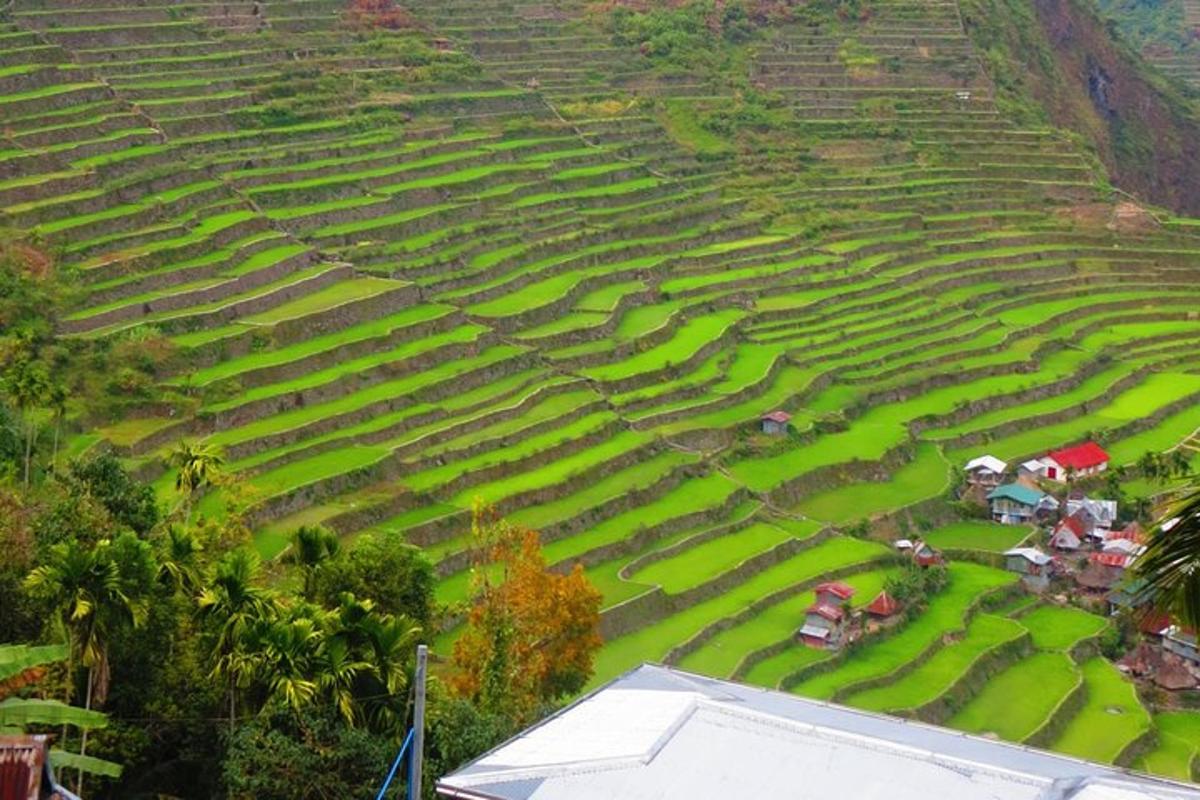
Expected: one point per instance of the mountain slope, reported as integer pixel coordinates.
(1059, 57)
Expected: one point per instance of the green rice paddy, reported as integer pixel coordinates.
(576, 301)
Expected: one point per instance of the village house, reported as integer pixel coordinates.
(1123, 547)
(985, 471)
(1129, 596)
(1133, 532)
(1182, 643)
(776, 423)
(25, 771)
(826, 621)
(926, 555)
(1078, 461)
(1014, 503)
(1031, 564)
(1031, 470)
(883, 607)
(1100, 515)
(1149, 662)
(1068, 534)
(1103, 572)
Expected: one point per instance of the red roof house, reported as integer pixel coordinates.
(1131, 532)
(884, 605)
(831, 613)
(1153, 623)
(1068, 534)
(776, 422)
(1118, 560)
(834, 593)
(1080, 460)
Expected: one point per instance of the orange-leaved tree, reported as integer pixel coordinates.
(531, 633)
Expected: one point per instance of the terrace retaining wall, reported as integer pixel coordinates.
(982, 669)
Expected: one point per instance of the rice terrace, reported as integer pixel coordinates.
(746, 332)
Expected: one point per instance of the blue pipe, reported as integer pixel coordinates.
(395, 766)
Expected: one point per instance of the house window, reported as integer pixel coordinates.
(1052, 473)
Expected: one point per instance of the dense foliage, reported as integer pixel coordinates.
(288, 682)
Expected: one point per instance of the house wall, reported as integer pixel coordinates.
(1017, 564)
(1007, 510)
(1181, 648)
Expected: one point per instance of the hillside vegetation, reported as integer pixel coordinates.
(563, 256)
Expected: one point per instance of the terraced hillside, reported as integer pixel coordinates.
(1182, 62)
(510, 268)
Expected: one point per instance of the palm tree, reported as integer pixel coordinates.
(197, 464)
(179, 560)
(231, 604)
(57, 398)
(28, 385)
(289, 659)
(384, 645)
(312, 545)
(86, 589)
(1170, 566)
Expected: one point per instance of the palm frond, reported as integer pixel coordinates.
(1170, 567)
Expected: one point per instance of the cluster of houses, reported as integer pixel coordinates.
(1088, 547)
(1083, 541)
(830, 623)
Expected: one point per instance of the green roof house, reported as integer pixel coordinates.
(1014, 503)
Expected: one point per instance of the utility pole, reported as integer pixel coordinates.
(418, 751)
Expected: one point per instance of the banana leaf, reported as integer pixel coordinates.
(61, 759)
(18, 712)
(15, 659)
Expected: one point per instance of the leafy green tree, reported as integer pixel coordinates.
(104, 478)
(309, 755)
(392, 573)
(285, 654)
(229, 606)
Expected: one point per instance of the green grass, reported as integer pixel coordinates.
(927, 475)
(721, 654)
(308, 347)
(1161, 437)
(1159, 390)
(1059, 627)
(976, 535)
(695, 565)
(1112, 718)
(1016, 702)
(687, 341)
(945, 613)
(652, 642)
(1178, 742)
(692, 495)
(925, 683)
(324, 299)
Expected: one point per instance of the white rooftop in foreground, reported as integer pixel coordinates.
(669, 735)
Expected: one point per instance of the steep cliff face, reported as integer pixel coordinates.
(1057, 60)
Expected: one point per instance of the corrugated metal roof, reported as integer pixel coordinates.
(657, 733)
(1018, 492)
